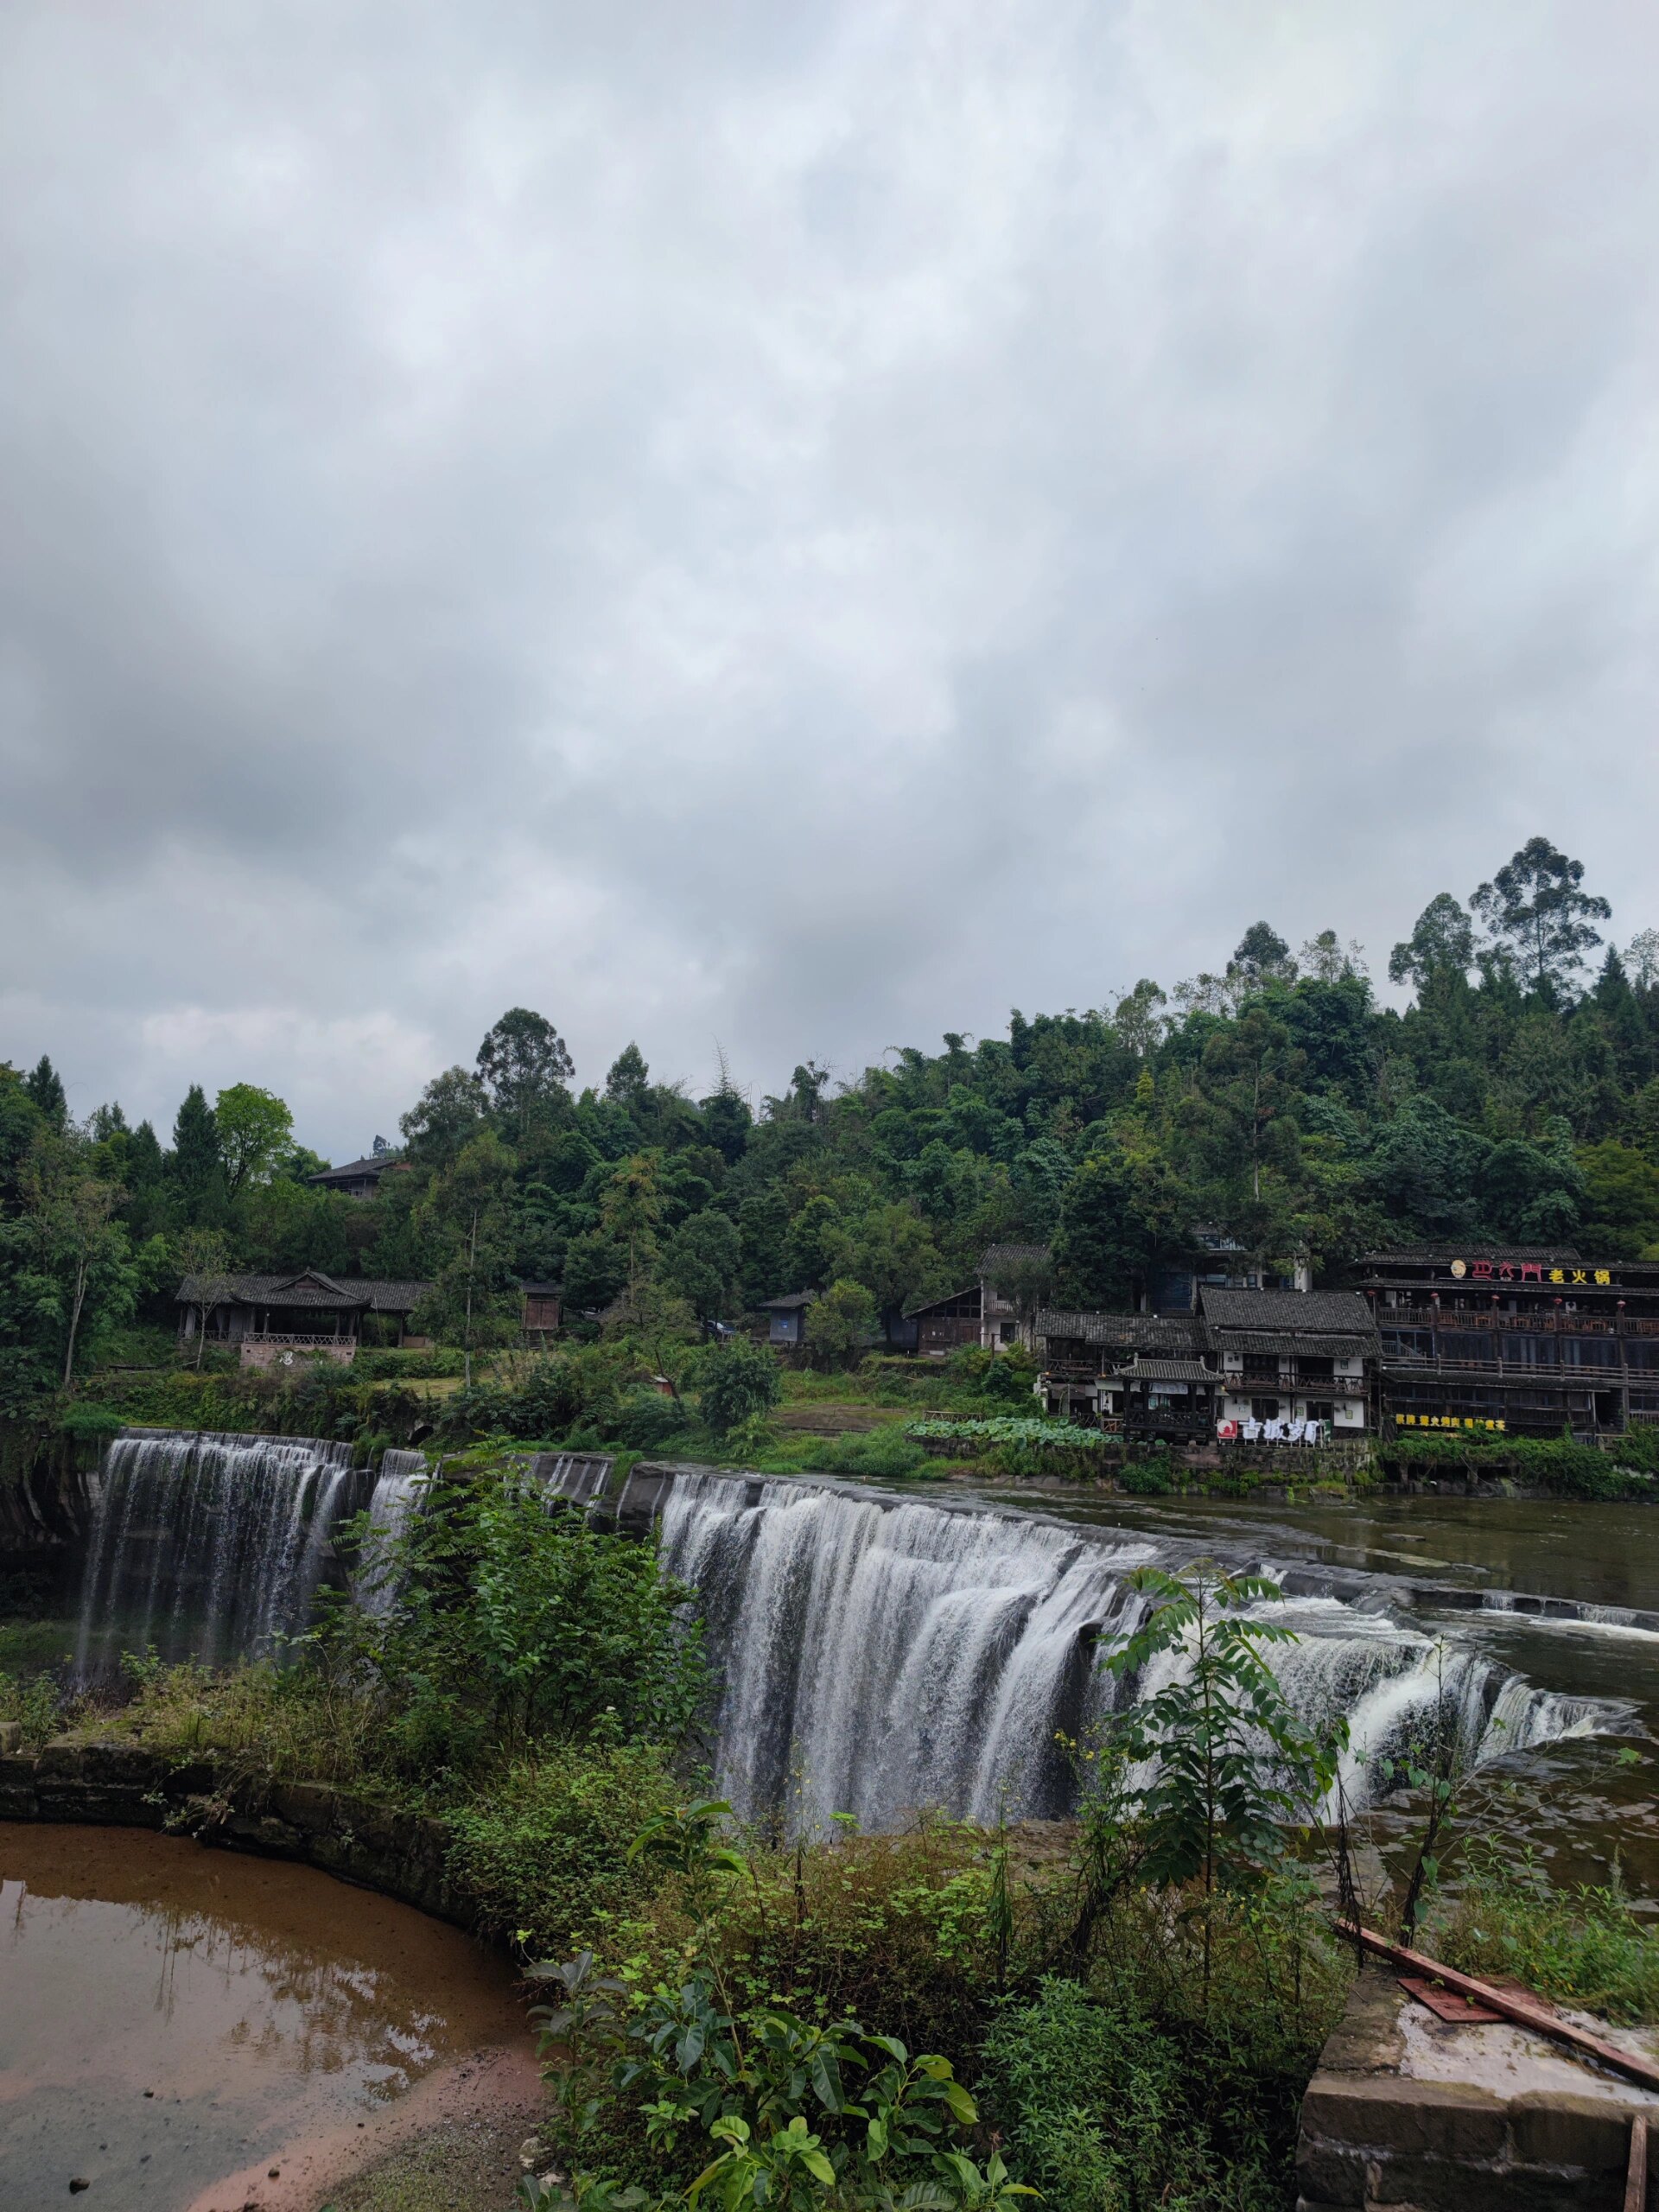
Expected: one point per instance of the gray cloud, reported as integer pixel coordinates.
(804, 525)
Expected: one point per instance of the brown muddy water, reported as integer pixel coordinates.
(174, 2020)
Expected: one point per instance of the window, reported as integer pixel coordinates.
(1321, 1410)
(1008, 1332)
(1309, 1369)
(1262, 1366)
(1264, 1408)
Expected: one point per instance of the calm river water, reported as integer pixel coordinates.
(172, 2015)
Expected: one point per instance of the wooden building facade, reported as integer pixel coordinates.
(1529, 1338)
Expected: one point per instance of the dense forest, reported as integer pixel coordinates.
(1275, 1103)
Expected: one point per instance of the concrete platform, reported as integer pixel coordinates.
(1410, 2114)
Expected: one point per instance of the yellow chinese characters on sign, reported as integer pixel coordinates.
(1445, 1421)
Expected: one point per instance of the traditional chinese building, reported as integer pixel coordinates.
(1530, 1338)
(307, 1311)
(1277, 1360)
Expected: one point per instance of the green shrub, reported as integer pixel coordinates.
(544, 1851)
(1009, 1428)
(1152, 1477)
(1091, 2100)
(1584, 1946)
(645, 1420)
(735, 1381)
(1552, 1463)
(37, 1701)
(884, 1454)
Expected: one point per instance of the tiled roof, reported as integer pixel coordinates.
(995, 1256)
(789, 1302)
(1296, 1313)
(1440, 1256)
(1152, 1333)
(1169, 1370)
(374, 1164)
(310, 1288)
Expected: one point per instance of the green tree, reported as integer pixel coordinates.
(473, 1300)
(893, 1254)
(628, 1082)
(1126, 1209)
(46, 1090)
(1228, 1765)
(700, 1263)
(525, 1068)
(841, 1322)
(1621, 1201)
(200, 1189)
(818, 1245)
(448, 1116)
(1441, 945)
(203, 1259)
(1261, 957)
(736, 1382)
(631, 1209)
(726, 1118)
(82, 1250)
(1536, 918)
(595, 1271)
(255, 1131)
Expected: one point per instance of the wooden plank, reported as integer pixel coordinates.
(1526, 2011)
(1635, 2179)
(1445, 2004)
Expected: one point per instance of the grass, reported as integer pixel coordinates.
(28, 1646)
(1585, 1947)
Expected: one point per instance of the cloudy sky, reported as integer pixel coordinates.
(802, 524)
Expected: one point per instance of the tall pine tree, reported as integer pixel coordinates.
(200, 1193)
(45, 1087)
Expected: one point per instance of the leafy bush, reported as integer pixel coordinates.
(1553, 1463)
(885, 1454)
(735, 1381)
(1009, 1377)
(1093, 2103)
(396, 1363)
(1152, 1477)
(37, 1701)
(1009, 1428)
(542, 1854)
(645, 1420)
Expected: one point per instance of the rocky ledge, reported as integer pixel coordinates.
(114, 1784)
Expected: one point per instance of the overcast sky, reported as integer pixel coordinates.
(801, 525)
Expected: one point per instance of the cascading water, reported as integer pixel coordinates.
(578, 1476)
(207, 1546)
(399, 1489)
(879, 1656)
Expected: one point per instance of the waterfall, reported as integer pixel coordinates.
(879, 1655)
(399, 1491)
(208, 1547)
(579, 1477)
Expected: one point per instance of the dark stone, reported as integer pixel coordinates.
(1441, 2119)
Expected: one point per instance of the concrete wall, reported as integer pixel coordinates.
(1409, 2114)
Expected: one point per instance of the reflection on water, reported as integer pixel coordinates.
(168, 2014)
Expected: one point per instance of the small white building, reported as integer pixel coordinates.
(1287, 1355)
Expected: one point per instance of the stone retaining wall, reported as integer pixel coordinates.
(1413, 2114)
(115, 1784)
